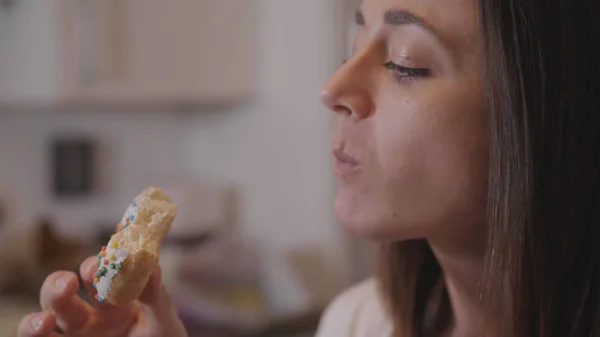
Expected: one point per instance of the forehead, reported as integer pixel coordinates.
(456, 21)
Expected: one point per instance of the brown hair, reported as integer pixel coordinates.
(542, 77)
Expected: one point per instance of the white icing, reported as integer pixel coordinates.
(121, 253)
(131, 211)
(105, 283)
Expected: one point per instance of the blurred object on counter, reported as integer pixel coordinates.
(216, 278)
(27, 257)
(301, 325)
(6, 215)
(219, 285)
(317, 275)
(222, 294)
(7, 4)
(3, 223)
(212, 275)
(11, 313)
(203, 207)
(2, 215)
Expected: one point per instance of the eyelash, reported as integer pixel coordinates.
(401, 73)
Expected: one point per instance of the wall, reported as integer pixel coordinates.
(277, 148)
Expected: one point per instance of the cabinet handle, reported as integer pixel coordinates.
(100, 34)
(85, 42)
(116, 16)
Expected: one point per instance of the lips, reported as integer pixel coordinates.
(344, 163)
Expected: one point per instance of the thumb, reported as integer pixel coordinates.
(157, 304)
(154, 297)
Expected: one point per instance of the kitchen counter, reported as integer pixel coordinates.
(11, 313)
(12, 310)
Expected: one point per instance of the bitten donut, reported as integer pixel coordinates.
(126, 263)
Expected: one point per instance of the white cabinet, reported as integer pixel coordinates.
(132, 51)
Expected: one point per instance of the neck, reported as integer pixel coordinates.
(463, 269)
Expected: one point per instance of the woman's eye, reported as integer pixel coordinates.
(402, 73)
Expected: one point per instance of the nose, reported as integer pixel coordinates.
(347, 91)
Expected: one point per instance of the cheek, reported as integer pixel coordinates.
(398, 139)
(430, 163)
(404, 145)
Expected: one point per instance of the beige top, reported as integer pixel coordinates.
(357, 312)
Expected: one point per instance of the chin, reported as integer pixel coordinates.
(360, 220)
(368, 219)
(358, 228)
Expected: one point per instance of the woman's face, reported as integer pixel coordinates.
(410, 143)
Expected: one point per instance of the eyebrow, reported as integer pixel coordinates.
(400, 17)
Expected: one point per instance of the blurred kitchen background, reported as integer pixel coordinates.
(217, 102)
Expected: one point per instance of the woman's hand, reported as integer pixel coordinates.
(153, 315)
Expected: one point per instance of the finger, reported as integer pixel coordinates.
(40, 324)
(157, 304)
(155, 298)
(59, 295)
(153, 292)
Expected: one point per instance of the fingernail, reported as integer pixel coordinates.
(61, 282)
(37, 321)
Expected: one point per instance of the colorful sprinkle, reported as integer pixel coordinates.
(101, 272)
(96, 280)
(103, 253)
(113, 266)
(103, 248)
(115, 244)
(134, 204)
(131, 217)
(105, 262)
(127, 221)
(100, 299)
(112, 257)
